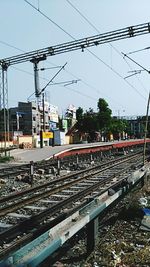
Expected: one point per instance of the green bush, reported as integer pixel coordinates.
(5, 158)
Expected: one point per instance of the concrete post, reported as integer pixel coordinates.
(142, 181)
(147, 178)
(58, 166)
(77, 160)
(91, 157)
(92, 232)
(31, 172)
(41, 139)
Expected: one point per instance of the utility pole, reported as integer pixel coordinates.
(35, 62)
(43, 104)
(146, 122)
(145, 132)
(5, 104)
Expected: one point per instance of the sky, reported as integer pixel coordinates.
(100, 74)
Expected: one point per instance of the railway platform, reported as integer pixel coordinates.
(38, 154)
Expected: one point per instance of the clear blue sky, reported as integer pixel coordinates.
(26, 29)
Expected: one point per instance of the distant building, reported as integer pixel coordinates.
(136, 125)
(70, 115)
(28, 118)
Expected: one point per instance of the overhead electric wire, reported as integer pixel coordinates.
(43, 89)
(122, 78)
(59, 27)
(73, 38)
(139, 50)
(69, 33)
(91, 86)
(90, 23)
(81, 14)
(31, 74)
(76, 91)
(12, 46)
(52, 21)
(55, 66)
(136, 75)
(95, 28)
(86, 48)
(125, 55)
(80, 93)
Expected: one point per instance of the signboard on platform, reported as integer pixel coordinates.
(47, 135)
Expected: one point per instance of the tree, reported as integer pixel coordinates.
(118, 126)
(103, 116)
(79, 113)
(87, 122)
(80, 119)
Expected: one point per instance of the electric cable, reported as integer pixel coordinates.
(12, 46)
(136, 75)
(91, 24)
(50, 19)
(112, 69)
(95, 28)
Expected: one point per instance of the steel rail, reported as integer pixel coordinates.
(34, 222)
(45, 212)
(8, 172)
(12, 207)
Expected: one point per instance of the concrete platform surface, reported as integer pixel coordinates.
(37, 154)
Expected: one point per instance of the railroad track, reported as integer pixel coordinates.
(18, 178)
(67, 161)
(10, 203)
(61, 196)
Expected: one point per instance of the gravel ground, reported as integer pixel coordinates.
(120, 241)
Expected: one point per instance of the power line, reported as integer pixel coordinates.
(139, 50)
(93, 26)
(81, 14)
(86, 48)
(53, 78)
(119, 75)
(60, 28)
(46, 79)
(90, 23)
(136, 63)
(80, 93)
(71, 89)
(29, 73)
(136, 75)
(92, 87)
(55, 66)
(12, 46)
(52, 21)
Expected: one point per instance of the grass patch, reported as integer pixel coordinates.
(4, 159)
